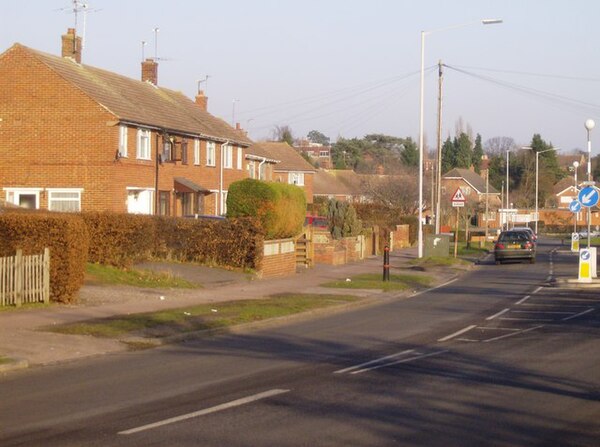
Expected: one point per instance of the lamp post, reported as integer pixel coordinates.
(575, 166)
(421, 112)
(537, 164)
(589, 125)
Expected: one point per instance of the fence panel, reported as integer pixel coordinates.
(25, 279)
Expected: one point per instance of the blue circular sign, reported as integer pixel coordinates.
(588, 196)
(585, 255)
(575, 206)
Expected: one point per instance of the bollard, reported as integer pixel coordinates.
(386, 263)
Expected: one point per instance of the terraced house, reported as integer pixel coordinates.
(74, 137)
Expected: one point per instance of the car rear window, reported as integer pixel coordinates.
(514, 236)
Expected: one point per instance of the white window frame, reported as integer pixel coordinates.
(144, 144)
(240, 157)
(227, 151)
(13, 194)
(296, 178)
(123, 130)
(211, 153)
(52, 191)
(196, 151)
(251, 169)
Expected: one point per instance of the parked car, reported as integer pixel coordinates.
(528, 230)
(583, 234)
(316, 221)
(514, 244)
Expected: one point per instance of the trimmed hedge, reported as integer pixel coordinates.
(233, 242)
(280, 208)
(119, 239)
(64, 234)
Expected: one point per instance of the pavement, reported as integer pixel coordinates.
(25, 344)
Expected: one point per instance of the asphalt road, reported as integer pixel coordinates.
(499, 357)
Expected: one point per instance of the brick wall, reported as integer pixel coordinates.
(337, 252)
(279, 259)
(400, 237)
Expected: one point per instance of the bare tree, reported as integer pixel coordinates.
(399, 191)
(499, 145)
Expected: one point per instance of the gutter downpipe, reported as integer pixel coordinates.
(221, 179)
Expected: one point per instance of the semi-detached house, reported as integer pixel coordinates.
(78, 138)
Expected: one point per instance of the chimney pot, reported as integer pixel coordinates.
(202, 100)
(150, 71)
(71, 45)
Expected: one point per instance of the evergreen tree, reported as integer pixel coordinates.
(463, 151)
(477, 154)
(410, 153)
(448, 156)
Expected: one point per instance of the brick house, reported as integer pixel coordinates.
(290, 166)
(77, 138)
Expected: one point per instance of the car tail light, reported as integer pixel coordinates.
(528, 245)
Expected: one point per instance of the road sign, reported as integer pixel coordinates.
(585, 270)
(588, 196)
(574, 242)
(458, 196)
(575, 206)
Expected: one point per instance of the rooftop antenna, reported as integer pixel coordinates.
(143, 46)
(77, 7)
(205, 80)
(156, 30)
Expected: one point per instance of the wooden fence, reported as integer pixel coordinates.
(25, 279)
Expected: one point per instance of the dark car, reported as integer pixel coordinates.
(514, 244)
(528, 230)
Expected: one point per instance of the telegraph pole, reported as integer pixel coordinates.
(439, 151)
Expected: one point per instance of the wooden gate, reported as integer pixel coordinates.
(25, 279)
(304, 248)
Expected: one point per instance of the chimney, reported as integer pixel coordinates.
(71, 45)
(202, 100)
(237, 126)
(150, 71)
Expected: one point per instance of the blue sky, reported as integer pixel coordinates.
(347, 67)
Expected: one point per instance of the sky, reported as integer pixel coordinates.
(349, 68)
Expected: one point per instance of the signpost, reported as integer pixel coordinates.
(458, 201)
(574, 242)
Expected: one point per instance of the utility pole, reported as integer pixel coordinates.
(439, 151)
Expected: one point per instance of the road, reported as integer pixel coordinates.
(498, 357)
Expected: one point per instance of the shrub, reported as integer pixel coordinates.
(119, 239)
(342, 218)
(387, 218)
(64, 234)
(280, 208)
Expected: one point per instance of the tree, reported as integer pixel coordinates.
(499, 145)
(463, 152)
(317, 137)
(448, 156)
(283, 134)
(477, 154)
(410, 153)
(343, 220)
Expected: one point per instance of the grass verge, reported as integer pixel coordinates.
(4, 360)
(105, 274)
(202, 317)
(375, 281)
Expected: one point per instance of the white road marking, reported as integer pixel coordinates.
(579, 314)
(225, 406)
(526, 319)
(541, 312)
(537, 290)
(397, 362)
(484, 328)
(498, 314)
(514, 333)
(462, 331)
(554, 305)
(379, 360)
(522, 300)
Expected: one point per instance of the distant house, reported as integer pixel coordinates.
(77, 138)
(565, 192)
(472, 185)
(288, 166)
(328, 186)
(317, 152)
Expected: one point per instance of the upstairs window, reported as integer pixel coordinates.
(167, 153)
(296, 178)
(196, 151)
(227, 156)
(122, 141)
(210, 153)
(143, 144)
(184, 152)
(240, 157)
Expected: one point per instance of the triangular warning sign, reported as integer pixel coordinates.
(458, 196)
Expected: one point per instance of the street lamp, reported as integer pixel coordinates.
(421, 111)
(575, 166)
(537, 164)
(589, 125)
